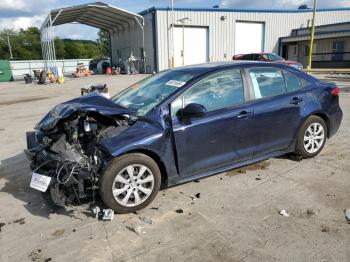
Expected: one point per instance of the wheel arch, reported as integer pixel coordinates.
(325, 119)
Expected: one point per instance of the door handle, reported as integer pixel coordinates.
(296, 101)
(244, 115)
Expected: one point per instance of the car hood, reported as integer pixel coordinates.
(92, 102)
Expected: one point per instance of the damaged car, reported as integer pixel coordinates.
(177, 126)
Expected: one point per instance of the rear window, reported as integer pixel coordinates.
(267, 82)
(272, 57)
(247, 57)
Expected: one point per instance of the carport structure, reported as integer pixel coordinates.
(100, 15)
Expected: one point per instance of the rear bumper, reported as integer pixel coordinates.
(335, 119)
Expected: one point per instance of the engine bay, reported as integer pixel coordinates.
(70, 154)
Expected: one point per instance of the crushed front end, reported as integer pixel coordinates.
(65, 152)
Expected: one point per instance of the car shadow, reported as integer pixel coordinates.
(15, 176)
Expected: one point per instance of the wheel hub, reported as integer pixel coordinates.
(314, 138)
(133, 185)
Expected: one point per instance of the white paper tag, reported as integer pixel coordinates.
(40, 182)
(175, 83)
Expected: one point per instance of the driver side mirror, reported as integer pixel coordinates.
(192, 110)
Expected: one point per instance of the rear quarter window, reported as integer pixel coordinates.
(294, 82)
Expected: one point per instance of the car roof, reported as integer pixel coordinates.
(207, 67)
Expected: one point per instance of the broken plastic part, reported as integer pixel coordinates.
(108, 214)
(284, 213)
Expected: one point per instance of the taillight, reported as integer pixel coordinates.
(335, 91)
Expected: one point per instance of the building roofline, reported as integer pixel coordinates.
(316, 34)
(151, 9)
(323, 26)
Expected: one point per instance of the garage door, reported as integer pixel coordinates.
(249, 37)
(190, 45)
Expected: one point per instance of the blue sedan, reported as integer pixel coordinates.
(178, 126)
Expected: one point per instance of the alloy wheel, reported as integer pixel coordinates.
(133, 185)
(314, 137)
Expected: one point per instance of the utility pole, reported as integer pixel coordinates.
(172, 34)
(312, 35)
(9, 44)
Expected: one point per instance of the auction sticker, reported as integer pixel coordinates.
(175, 83)
(40, 182)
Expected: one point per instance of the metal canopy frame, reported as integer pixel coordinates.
(98, 14)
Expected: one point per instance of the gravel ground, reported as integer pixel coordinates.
(233, 216)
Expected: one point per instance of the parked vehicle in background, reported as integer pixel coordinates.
(177, 126)
(99, 65)
(267, 57)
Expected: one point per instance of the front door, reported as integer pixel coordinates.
(292, 52)
(222, 136)
(338, 50)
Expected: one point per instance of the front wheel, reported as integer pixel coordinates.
(311, 137)
(130, 183)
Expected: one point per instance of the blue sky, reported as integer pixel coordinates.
(17, 14)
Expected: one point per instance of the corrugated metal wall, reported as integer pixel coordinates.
(221, 33)
(125, 42)
(324, 46)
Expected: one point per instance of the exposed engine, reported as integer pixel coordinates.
(70, 154)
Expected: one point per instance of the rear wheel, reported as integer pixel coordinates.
(130, 183)
(311, 137)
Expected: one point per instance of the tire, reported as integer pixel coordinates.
(131, 193)
(309, 142)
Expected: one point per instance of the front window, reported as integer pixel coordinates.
(148, 93)
(218, 90)
(272, 57)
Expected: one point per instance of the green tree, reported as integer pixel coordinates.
(60, 48)
(72, 49)
(103, 42)
(26, 44)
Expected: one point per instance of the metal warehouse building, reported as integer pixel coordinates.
(183, 36)
(208, 35)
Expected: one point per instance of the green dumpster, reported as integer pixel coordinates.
(5, 71)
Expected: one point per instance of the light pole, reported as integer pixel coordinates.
(172, 34)
(312, 35)
(9, 44)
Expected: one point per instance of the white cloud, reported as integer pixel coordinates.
(30, 7)
(13, 4)
(21, 14)
(21, 22)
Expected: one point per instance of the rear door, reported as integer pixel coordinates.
(278, 105)
(222, 136)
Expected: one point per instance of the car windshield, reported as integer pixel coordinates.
(148, 93)
(272, 57)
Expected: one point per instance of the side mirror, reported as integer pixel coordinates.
(192, 110)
